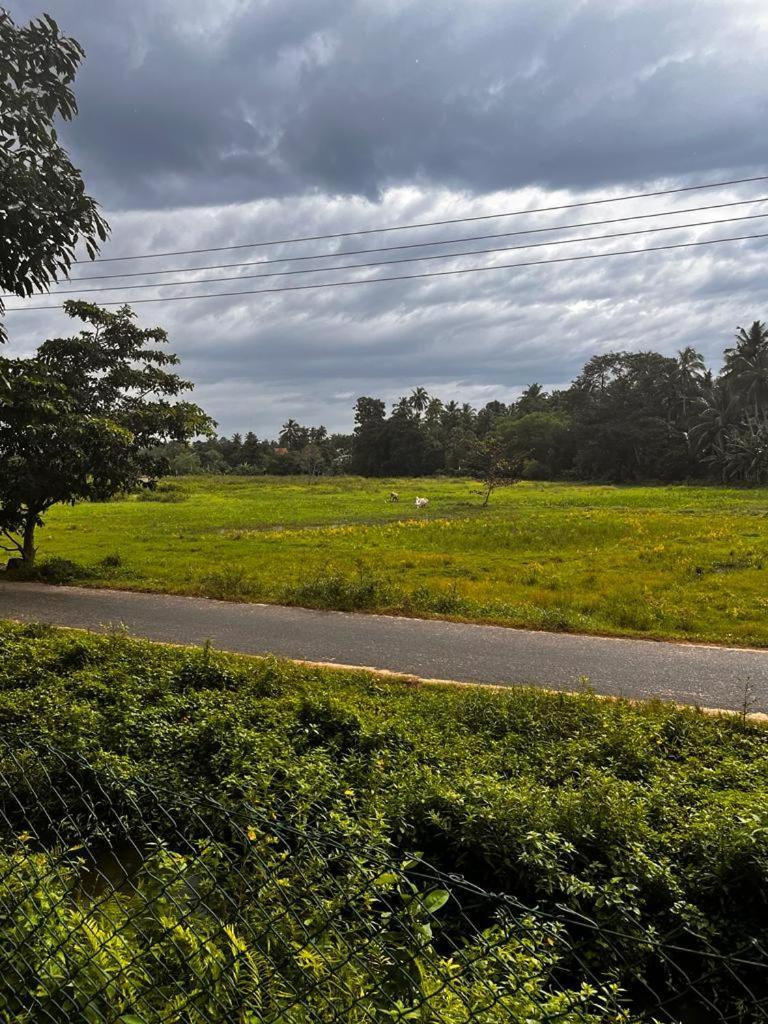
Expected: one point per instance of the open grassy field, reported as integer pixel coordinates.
(685, 562)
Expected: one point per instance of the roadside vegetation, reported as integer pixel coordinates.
(645, 817)
(686, 562)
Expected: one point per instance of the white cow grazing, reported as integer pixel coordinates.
(422, 502)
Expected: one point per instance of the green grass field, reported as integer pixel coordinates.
(686, 562)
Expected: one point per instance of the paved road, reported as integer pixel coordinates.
(691, 674)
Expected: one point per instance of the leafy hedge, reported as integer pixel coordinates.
(651, 814)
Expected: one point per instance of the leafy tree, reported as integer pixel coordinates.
(80, 418)
(488, 416)
(623, 407)
(181, 459)
(546, 437)
(369, 443)
(405, 441)
(44, 211)
(252, 450)
(313, 459)
(489, 461)
(627, 416)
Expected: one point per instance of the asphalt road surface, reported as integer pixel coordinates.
(708, 676)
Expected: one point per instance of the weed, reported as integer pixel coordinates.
(165, 493)
(335, 589)
(231, 583)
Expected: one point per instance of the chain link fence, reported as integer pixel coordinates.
(120, 902)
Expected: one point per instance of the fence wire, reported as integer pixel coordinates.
(123, 903)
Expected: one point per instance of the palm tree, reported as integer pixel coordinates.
(292, 435)
(753, 381)
(744, 368)
(689, 377)
(419, 399)
(743, 454)
(531, 400)
(434, 409)
(717, 413)
(748, 342)
(451, 411)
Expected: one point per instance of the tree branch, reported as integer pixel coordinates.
(15, 544)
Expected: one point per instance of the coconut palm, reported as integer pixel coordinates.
(753, 381)
(419, 399)
(748, 342)
(689, 377)
(716, 413)
(743, 456)
(745, 365)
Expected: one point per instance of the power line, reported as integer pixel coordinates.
(419, 245)
(415, 277)
(430, 223)
(411, 259)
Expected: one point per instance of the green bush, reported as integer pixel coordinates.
(61, 570)
(649, 816)
(334, 589)
(166, 492)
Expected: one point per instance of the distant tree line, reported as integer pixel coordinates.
(628, 416)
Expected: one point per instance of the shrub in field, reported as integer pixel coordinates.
(231, 583)
(54, 570)
(167, 492)
(335, 589)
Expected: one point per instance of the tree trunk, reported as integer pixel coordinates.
(28, 549)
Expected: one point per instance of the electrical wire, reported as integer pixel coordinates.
(410, 259)
(414, 277)
(431, 223)
(418, 245)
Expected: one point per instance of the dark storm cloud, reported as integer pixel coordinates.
(216, 122)
(186, 103)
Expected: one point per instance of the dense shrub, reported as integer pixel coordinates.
(650, 814)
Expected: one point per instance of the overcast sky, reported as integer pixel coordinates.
(217, 122)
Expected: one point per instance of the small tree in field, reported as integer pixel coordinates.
(313, 460)
(490, 462)
(78, 419)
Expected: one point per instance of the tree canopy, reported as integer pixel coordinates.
(628, 416)
(84, 418)
(44, 210)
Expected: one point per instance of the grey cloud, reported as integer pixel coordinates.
(287, 97)
(212, 122)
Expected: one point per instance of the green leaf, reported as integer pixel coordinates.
(436, 899)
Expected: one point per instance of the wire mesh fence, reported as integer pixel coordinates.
(123, 902)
